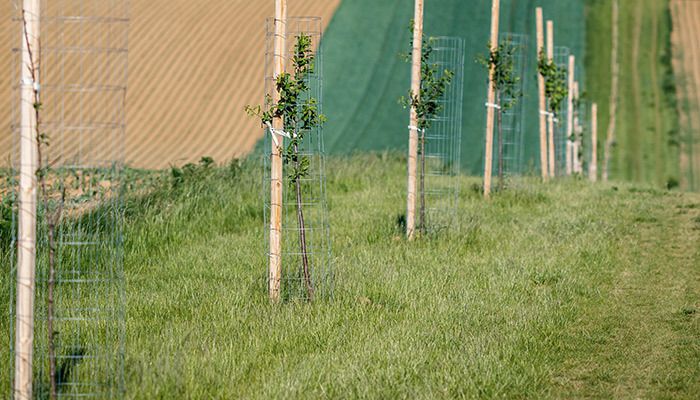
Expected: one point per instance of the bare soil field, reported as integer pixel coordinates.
(686, 46)
(192, 69)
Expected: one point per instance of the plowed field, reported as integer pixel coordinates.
(193, 66)
(686, 44)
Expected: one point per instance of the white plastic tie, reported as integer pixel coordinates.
(29, 82)
(415, 128)
(547, 113)
(274, 132)
(492, 105)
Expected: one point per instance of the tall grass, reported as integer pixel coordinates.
(545, 291)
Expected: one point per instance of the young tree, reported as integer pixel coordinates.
(426, 104)
(555, 82)
(299, 113)
(505, 84)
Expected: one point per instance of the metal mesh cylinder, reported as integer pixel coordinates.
(561, 59)
(83, 77)
(443, 138)
(313, 184)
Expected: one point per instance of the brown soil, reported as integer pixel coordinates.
(686, 44)
(192, 70)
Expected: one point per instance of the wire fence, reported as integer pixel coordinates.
(314, 233)
(582, 136)
(511, 148)
(561, 59)
(83, 76)
(441, 144)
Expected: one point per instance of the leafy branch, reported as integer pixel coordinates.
(555, 88)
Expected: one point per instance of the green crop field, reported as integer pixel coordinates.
(364, 75)
(564, 290)
(647, 134)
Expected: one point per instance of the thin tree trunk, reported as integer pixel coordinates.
(53, 222)
(302, 229)
(422, 182)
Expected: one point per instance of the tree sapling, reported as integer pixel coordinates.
(300, 114)
(505, 84)
(433, 87)
(555, 85)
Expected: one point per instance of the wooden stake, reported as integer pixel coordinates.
(26, 246)
(413, 120)
(570, 118)
(593, 168)
(276, 172)
(488, 159)
(543, 101)
(550, 122)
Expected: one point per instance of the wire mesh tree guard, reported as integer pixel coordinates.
(440, 165)
(582, 135)
(512, 147)
(8, 246)
(78, 344)
(306, 269)
(561, 59)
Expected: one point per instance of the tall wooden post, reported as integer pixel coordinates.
(570, 118)
(413, 120)
(550, 116)
(490, 107)
(276, 173)
(26, 245)
(593, 167)
(543, 101)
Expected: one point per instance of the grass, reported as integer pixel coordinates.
(647, 141)
(547, 291)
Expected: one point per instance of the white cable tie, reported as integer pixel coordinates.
(411, 127)
(547, 113)
(492, 105)
(274, 132)
(28, 81)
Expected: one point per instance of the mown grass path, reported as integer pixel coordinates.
(643, 341)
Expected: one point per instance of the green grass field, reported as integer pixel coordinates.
(549, 291)
(647, 141)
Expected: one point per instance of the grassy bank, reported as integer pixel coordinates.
(558, 291)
